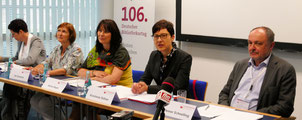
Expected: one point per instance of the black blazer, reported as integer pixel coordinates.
(179, 68)
(278, 90)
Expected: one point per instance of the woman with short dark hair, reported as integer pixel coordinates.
(30, 52)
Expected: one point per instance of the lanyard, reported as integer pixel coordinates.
(254, 79)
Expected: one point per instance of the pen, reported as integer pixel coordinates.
(207, 107)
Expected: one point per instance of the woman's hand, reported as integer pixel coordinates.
(100, 74)
(82, 73)
(37, 70)
(139, 87)
(112, 78)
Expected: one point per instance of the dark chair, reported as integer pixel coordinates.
(198, 89)
(136, 75)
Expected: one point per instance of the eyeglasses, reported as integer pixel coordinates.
(161, 36)
(13, 34)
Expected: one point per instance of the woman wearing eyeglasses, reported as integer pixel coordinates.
(166, 61)
(30, 52)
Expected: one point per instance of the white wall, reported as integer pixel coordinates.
(213, 63)
(105, 9)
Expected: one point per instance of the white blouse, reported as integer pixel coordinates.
(24, 50)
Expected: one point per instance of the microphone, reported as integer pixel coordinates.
(164, 96)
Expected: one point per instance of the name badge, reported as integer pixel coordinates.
(240, 103)
(19, 74)
(102, 95)
(54, 84)
(181, 111)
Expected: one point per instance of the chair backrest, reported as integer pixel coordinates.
(136, 75)
(198, 89)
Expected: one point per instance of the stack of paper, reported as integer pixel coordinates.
(144, 98)
(126, 93)
(238, 115)
(224, 113)
(213, 110)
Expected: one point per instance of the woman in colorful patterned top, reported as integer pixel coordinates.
(65, 59)
(108, 61)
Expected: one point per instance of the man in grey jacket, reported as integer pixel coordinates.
(263, 82)
(31, 52)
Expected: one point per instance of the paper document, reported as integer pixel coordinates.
(238, 115)
(126, 93)
(213, 110)
(18, 66)
(144, 98)
(3, 66)
(122, 91)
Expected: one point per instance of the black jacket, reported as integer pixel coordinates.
(178, 67)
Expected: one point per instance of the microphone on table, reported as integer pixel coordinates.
(164, 96)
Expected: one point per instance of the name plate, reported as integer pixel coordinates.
(19, 74)
(181, 111)
(54, 84)
(102, 95)
(3, 66)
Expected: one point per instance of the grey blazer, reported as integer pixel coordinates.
(278, 89)
(36, 54)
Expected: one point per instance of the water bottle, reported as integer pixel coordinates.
(87, 82)
(45, 72)
(9, 66)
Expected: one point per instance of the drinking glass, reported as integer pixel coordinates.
(80, 87)
(40, 75)
(181, 96)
